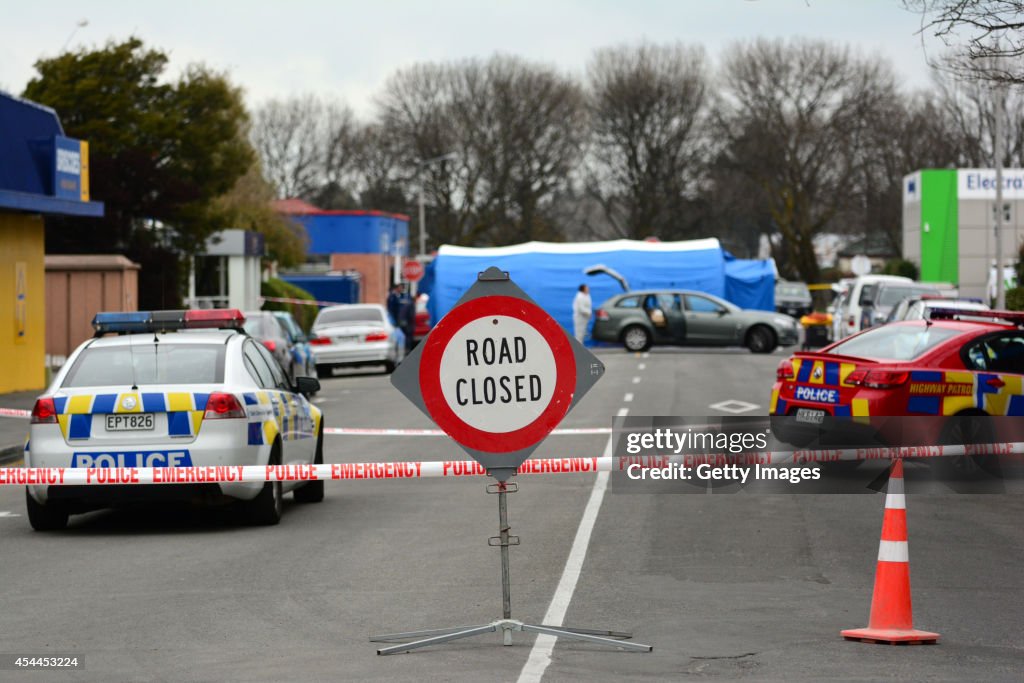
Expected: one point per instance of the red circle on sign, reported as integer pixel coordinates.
(430, 374)
(412, 271)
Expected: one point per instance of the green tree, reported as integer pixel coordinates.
(160, 153)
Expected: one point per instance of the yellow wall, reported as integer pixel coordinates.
(22, 304)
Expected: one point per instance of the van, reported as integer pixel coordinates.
(860, 294)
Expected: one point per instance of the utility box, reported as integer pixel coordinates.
(78, 286)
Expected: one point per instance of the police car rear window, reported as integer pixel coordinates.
(895, 342)
(147, 363)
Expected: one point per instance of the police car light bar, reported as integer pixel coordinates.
(1014, 317)
(128, 322)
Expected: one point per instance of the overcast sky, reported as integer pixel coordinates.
(345, 49)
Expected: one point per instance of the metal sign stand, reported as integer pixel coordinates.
(507, 624)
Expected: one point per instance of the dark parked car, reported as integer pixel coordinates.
(302, 352)
(265, 328)
(639, 320)
(793, 298)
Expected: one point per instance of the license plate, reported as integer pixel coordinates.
(344, 340)
(814, 417)
(137, 422)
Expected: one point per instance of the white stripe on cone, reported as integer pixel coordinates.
(893, 551)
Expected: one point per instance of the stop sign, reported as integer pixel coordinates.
(412, 271)
(497, 374)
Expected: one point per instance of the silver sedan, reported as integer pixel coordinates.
(356, 335)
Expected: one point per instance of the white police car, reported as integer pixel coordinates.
(158, 395)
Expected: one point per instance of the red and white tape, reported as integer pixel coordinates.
(15, 412)
(306, 302)
(358, 431)
(21, 476)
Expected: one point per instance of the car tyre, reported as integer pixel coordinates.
(313, 491)
(265, 509)
(389, 367)
(324, 370)
(636, 338)
(49, 517)
(761, 339)
(972, 427)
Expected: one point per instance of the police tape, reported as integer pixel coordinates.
(15, 412)
(357, 431)
(304, 302)
(57, 476)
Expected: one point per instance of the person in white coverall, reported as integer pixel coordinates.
(581, 309)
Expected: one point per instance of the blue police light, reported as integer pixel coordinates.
(122, 322)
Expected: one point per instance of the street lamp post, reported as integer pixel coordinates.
(420, 166)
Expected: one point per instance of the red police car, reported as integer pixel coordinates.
(954, 364)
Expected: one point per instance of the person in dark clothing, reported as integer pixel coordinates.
(402, 310)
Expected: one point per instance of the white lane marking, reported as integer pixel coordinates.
(734, 407)
(645, 354)
(5, 513)
(540, 654)
(627, 398)
(636, 380)
(641, 366)
(318, 400)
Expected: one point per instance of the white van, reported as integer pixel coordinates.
(856, 298)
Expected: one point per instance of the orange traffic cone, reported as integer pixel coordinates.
(891, 614)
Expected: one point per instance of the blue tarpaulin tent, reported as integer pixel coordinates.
(551, 273)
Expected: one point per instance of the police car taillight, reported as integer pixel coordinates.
(785, 371)
(221, 405)
(878, 379)
(44, 412)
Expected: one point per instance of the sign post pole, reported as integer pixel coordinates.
(497, 374)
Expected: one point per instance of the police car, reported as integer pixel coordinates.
(172, 389)
(956, 364)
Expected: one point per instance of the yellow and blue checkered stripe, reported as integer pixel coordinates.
(184, 410)
(824, 373)
(289, 421)
(948, 392)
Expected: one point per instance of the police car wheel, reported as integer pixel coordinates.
(313, 492)
(49, 517)
(265, 509)
(968, 428)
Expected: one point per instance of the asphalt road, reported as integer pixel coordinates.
(725, 587)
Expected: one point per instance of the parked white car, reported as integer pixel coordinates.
(356, 335)
(859, 294)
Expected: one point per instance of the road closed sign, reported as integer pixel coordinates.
(497, 373)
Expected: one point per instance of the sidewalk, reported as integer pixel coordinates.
(13, 430)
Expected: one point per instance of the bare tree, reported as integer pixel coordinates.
(515, 130)
(970, 106)
(307, 146)
(646, 104)
(987, 35)
(791, 121)
(902, 134)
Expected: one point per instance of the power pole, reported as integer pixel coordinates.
(1000, 281)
